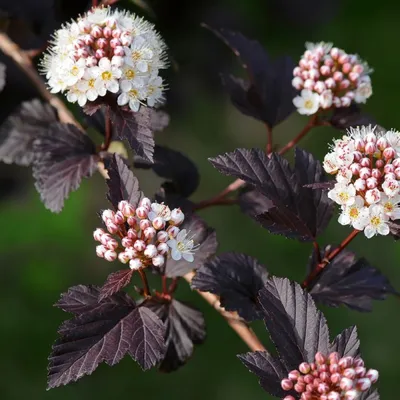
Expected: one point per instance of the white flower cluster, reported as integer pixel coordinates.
(329, 77)
(367, 168)
(148, 234)
(107, 51)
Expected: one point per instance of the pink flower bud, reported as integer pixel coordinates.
(100, 53)
(346, 68)
(303, 63)
(145, 202)
(127, 242)
(388, 168)
(335, 53)
(358, 68)
(123, 257)
(132, 234)
(158, 261)
(396, 162)
(335, 378)
(110, 255)
(372, 183)
(370, 148)
(158, 223)
(379, 163)
(135, 264)
(84, 26)
(346, 362)
(312, 64)
(376, 173)
(126, 208)
(82, 53)
(325, 376)
(349, 373)
(114, 43)
(388, 153)
(329, 62)
(350, 95)
(88, 40)
(372, 196)
(163, 249)
(313, 366)
(363, 384)
(351, 394)
(289, 398)
(365, 162)
(107, 32)
(397, 173)
(314, 74)
(354, 76)
(325, 70)
(304, 368)
(131, 221)
(305, 75)
(112, 244)
(149, 232)
(306, 396)
(139, 245)
(360, 371)
(144, 223)
(308, 378)
(344, 84)
(334, 357)
(372, 375)
(96, 31)
(131, 252)
(337, 76)
(101, 43)
(150, 251)
(142, 212)
(100, 251)
(162, 236)
(333, 396)
(370, 137)
(319, 358)
(126, 39)
(365, 172)
(323, 388)
(91, 61)
(117, 61)
(344, 58)
(382, 143)
(119, 218)
(330, 83)
(286, 384)
(97, 234)
(177, 216)
(105, 238)
(297, 83)
(116, 33)
(112, 227)
(107, 214)
(309, 84)
(119, 51)
(346, 384)
(78, 43)
(390, 176)
(355, 168)
(173, 231)
(319, 87)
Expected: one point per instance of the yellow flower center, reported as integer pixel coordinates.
(106, 76)
(343, 196)
(388, 207)
(354, 212)
(308, 104)
(130, 74)
(75, 70)
(136, 56)
(133, 92)
(375, 221)
(91, 83)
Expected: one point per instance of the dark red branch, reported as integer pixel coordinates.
(269, 139)
(146, 289)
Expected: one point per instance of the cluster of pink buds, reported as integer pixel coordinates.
(366, 164)
(329, 77)
(143, 236)
(330, 378)
(107, 51)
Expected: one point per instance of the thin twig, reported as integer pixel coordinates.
(214, 202)
(12, 50)
(146, 289)
(235, 322)
(108, 131)
(269, 139)
(314, 273)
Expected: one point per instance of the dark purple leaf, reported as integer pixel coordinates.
(351, 282)
(323, 185)
(105, 334)
(290, 209)
(122, 185)
(185, 327)
(20, 130)
(346, 343)
(205, 237)
(269, 370)
(2, 76)
(253, 203)
(296, 327)
(174, 200)
(346, 117)
(394, 230)
(135, 127)
(92, 108)
(372, 394)
(63, 156)
(236, 278)
(115, 282)
(182, 174)
(269, 94)
(82, 299)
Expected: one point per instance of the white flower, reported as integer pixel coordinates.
(344, 175)
(73, 71)
(88, 86)
(98, 15)
(75, 94)
(57, 84)
(159, 210)
(363, 92)
(323, 47)
(133, 97)
(326, 98)
(373, 196)
(343, 194)
(330, 163)
(355, 214)
(130, 78)
(391, 206)
(106, 76)
(182, 246)
(391, 187)
(307, 103)
(155, 91)
(393, 138)
(139, 55)
(377, 222)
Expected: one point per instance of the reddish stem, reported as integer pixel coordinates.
(269, 139)
(108, 131)
(215, 201)
(146, 289)
(329, 258)
(94, 3)
(173, 285)
(164, 285)
(317, 251)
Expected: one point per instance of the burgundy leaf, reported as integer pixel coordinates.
(346, 343)
(346, 117)
(92, 108)
(185, 327)
(269, 94)
(372, 394)
(122, 185)
(115, 282)
(105, 334)
(182, 174)
(253, 203)
(323, 185)
(82, 299)
(205, 237)
(136, 128)
(269, 370)
(63, 156)
(296, 327)
(351, 282)
(19, 131)
(236, 278)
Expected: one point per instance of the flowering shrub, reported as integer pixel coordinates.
(108, 62)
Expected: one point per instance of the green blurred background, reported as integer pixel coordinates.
(42, 254)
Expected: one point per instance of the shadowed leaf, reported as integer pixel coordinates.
(346, 343)
(185, 327)
(63, 156)
(115, 282)
(236, 278)
(122, 185)
(372, 394)
(253, 203)
(346, 117)
(20, 130)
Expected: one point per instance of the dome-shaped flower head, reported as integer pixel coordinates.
(331, 78)
(107, 51)
(366, 164)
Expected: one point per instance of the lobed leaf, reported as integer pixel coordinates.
(346, 343)
(64, 155)
(236, 278)
(115, 282)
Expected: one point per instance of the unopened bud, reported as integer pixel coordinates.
(123, 257)
(142, 212)
(338, 76)
(330, 83)
(144, 223)
(131, 252)
(333, 396)
(107, 32)
(346, 68)
(319, 358)
(293, 375)
(158, 223)
(127, 242)
(162, 236)
(101, 43)
(351, 394)
(150, 251)
(363, 384)
(173, 231)
(304, 368)
(177, 216)
(112, 227)
(319, 87)
(286, 384)
(163, 248)
(360, 371)
(354, 76)
(132, 234)
(297, 83)
(139, 245)
(110, 255)
(370, 148)
(323, 388)
(97, 234)
(336, 377)
(119, 51)
(388, 153)
(100, 251)
(379, 163)
(116, 33)
(100, 53)
(107, 214)
(365, 172)
(344, 84)
(112, 244)
(396, 162)
(372, 182)
(309, 84)
(119, 218)
(376, 173)
(346, 384)
(325, 70)
(366, 162)
(149, 232)
(372, 375)
(96, 31)
(135, 264)
(346, 362)
(126, 208)
(158, 261)
(349, 373)
(299, 387)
